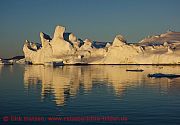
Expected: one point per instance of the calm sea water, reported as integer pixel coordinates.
(99, 90)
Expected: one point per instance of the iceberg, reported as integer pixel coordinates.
(6, 62)
(67, 48)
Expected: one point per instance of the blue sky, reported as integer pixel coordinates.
(99, 20)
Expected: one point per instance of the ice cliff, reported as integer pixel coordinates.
(66, 47)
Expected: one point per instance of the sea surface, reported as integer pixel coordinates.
(31, 94)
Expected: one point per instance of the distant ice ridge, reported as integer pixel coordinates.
(11, 61)
(5, 62)
(67, 48)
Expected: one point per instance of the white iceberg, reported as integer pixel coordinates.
(67, 48)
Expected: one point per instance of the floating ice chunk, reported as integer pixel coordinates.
(6, 62)
(161, 75)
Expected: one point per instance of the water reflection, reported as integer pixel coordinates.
(1, 68)
(66, 81)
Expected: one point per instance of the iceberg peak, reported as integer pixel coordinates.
(119, 41)
(59, 31)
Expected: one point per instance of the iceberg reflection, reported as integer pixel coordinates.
(65, 82)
